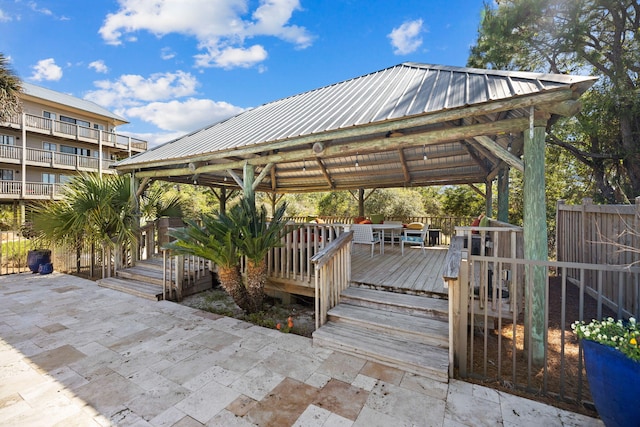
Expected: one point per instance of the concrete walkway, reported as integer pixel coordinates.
(75, 354)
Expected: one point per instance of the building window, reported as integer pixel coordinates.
(64, 179)
(74, 150)
(7, 140)
(6, 174)
(49, 146)
(98, 126)
(75, 121)
(49, 178)
(49, 115)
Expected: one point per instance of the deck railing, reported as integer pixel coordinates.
(300, 242)
(332, 273)
(490, 333)
(446, 224)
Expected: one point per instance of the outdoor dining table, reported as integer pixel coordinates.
(388, 227)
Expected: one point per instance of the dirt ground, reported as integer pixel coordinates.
(301, 311)
(525, 380)
(550, 387)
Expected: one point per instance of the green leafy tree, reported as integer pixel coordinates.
(337, 203)
(598, 36)
(10, 90)
(397, 202)
(462, 201)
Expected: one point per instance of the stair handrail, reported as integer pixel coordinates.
(332, 266)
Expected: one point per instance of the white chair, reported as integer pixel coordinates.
(364, 234)
(414, 237)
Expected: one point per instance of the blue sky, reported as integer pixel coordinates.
(173, 66)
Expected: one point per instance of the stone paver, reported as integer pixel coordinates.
(75, 354)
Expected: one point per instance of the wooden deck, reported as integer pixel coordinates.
(415, 272)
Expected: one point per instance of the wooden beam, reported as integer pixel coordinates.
(260, 177)
(375, 128)
(403, 164)
(501, 153)
(143, 186)
(236, 178)
(274, 181)
(373, 145)
(324, 171)
(567, 108)
(477, 190)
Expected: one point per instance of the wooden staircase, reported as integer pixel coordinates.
(408, 332)
(145, 280)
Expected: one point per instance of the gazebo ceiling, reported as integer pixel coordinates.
(407, 125)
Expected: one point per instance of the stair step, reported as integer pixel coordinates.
(392, 301)
(142, 274)
(154, 263)
(404, 326)
(418, 358)
(133, 287)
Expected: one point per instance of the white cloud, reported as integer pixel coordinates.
(220, 27)
(132, 90)
(184, 116)
(46, 69)
(4, 17)
(406, 38)
(99, 66)
(167, 53)
(232, 57)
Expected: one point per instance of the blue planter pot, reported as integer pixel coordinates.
(36, 258)
(614, 380)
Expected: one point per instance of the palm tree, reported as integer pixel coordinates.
(94, 209)
(10, 90)
(257, 237)
(224, 239)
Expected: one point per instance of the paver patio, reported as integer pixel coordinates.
(75, 354)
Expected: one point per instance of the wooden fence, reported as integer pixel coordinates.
(603, 235)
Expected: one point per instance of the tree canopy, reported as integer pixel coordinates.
(578, 36)
(10, 89)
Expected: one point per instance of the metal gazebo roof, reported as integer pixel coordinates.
(408, 125)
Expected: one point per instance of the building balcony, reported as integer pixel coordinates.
(12, 154)
(76, 132)
(12, 190)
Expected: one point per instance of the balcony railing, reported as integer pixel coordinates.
(54, 159)
(74, 131)
(33, 190)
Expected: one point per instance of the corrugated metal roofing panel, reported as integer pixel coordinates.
(68, 100)
(403, 90)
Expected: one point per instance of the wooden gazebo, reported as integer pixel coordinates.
(405, 126)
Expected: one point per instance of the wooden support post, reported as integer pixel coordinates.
(489, 199)
(503, 195)
(360, 201)
(248, 179)
(535, 237)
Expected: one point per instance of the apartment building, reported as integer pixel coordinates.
(55, 137)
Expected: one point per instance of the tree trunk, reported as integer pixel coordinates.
(231, 282)
(256, 278)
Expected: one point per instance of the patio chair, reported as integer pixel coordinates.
(364, 234)
(414, 237)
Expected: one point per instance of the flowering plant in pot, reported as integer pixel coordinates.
(612, 359)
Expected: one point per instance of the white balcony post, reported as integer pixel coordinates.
(129, 145)
(23, 160)
(100, 152)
